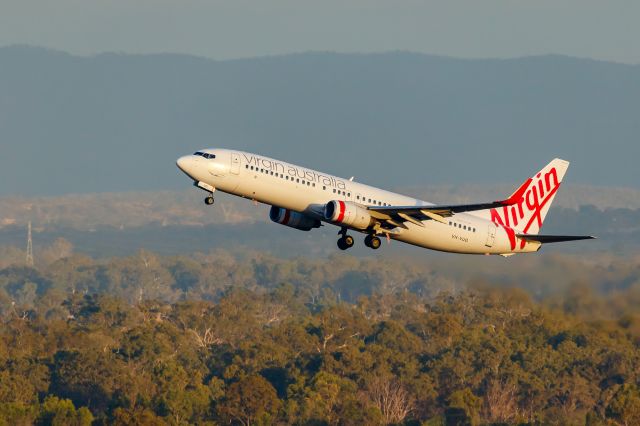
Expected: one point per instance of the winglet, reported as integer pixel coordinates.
(516, 196)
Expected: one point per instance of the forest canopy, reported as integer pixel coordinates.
(217, 339)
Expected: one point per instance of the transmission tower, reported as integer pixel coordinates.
(29, 247)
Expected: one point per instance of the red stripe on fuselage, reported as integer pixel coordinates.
(342, 209)
(287, 214)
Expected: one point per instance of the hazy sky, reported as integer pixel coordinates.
(602, 29)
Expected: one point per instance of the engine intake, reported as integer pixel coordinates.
(293, 219)
(348, 213)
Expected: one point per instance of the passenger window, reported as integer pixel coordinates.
(314, 185)
(324, 188)
(334, 190)
(297, 180)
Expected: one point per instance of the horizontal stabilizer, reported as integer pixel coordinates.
(554, 238)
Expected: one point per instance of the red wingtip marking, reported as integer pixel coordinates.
(517, 196)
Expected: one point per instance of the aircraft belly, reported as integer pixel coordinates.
(229, 184)
(276, 193)
(442, 237)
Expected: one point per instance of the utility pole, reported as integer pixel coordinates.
(29, 247)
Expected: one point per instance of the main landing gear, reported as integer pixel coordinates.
(209, 200)
(345, 241)
(372, 241)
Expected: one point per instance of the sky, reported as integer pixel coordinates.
(598, 29)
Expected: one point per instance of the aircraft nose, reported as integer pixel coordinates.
(185, 163)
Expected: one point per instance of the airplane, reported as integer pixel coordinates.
(304, 199)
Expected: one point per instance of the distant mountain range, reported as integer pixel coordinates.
(117, 122)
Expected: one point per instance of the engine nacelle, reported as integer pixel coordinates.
(293, 219)
(348, 214)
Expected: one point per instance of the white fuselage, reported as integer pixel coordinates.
(307, 191)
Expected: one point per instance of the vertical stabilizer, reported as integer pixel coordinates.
(534, 197)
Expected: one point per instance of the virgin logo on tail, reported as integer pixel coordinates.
(528, 209)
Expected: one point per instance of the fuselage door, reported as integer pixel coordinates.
(491, 235)
(235, 163)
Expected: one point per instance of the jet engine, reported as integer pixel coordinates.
(348, 214)
(293, 219)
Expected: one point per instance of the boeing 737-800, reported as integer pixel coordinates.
(303, 199)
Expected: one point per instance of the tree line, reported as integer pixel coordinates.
(215, 339)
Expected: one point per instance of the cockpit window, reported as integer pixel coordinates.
(204, 154)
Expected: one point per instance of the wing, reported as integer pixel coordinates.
(397, 215)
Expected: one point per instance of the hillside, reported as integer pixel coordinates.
(117, 122)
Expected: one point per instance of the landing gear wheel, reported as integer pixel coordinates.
(345, 242)
(375, 243)
(348, 240)
(209, 200)
(372, 242)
